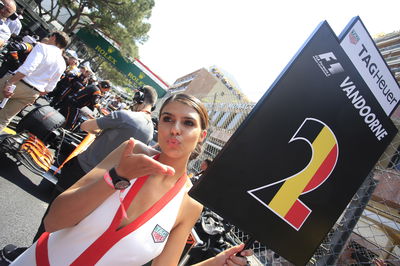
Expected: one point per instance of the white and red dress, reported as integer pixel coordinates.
(96, 240)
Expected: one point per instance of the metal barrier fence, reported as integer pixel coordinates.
(368, 231)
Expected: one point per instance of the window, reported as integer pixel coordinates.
(215, 116)
(223, 119)
(236, 121)
(212, 149)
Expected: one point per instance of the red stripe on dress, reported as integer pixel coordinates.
(103, 243)
(41, 251)
(111, 236)
(153, 210)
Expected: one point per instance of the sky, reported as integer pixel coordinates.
(251, 40)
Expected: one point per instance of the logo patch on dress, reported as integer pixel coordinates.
(159, 234)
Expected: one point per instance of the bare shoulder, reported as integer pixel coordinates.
(193, 204)
(190, 208)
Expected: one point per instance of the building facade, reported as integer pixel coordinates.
(227, 106)
(389, 46)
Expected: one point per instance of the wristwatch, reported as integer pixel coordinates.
(119, 182)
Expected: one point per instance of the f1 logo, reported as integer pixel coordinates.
(328, 63)
(285, 203)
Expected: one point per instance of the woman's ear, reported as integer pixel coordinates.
(203, 135)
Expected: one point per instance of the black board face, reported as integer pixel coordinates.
(286, 175)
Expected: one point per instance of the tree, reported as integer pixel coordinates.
(123, 21)
(106, 71)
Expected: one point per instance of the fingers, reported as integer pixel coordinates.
(129, 165)
(7, 94)
(233, 250)
(134, 165)
(140, 147)
(129, 148)
(235, 260)
(157, 167)
(168, 170)
(247, 252)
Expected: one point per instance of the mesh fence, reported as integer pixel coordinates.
(368, 231)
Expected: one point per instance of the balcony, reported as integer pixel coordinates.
(390, 49)
(389, 38)
(395, 70)
(184, 80)
(395, 60)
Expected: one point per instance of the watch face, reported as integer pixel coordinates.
(122, 184)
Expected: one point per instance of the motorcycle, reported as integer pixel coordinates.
(214, 236)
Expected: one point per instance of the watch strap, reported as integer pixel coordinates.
(110, 182)
(115, 177)
(108, 179)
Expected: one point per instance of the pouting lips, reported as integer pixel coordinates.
(173, 141)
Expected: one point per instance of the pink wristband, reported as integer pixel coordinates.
(108, 179)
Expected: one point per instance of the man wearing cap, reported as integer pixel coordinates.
(37, 76)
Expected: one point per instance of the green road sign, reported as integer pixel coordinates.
(136, 71)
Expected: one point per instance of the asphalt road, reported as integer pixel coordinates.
(24, 197)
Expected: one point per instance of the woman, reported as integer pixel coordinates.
(149, 219)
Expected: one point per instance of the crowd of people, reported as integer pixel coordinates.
(124, 203)
(77, 87)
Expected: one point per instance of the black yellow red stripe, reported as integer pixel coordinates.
(286, 202)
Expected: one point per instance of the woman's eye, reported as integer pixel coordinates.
(189, 123)
(166, 119)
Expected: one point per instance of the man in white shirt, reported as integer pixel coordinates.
(14, 24)
(37, 76)
(7, 7)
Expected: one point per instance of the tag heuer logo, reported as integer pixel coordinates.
(353, 36)
(159, 234)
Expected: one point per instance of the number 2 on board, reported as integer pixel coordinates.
(286, 203)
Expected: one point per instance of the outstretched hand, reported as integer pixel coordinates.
(136, 165)
(228, 257)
